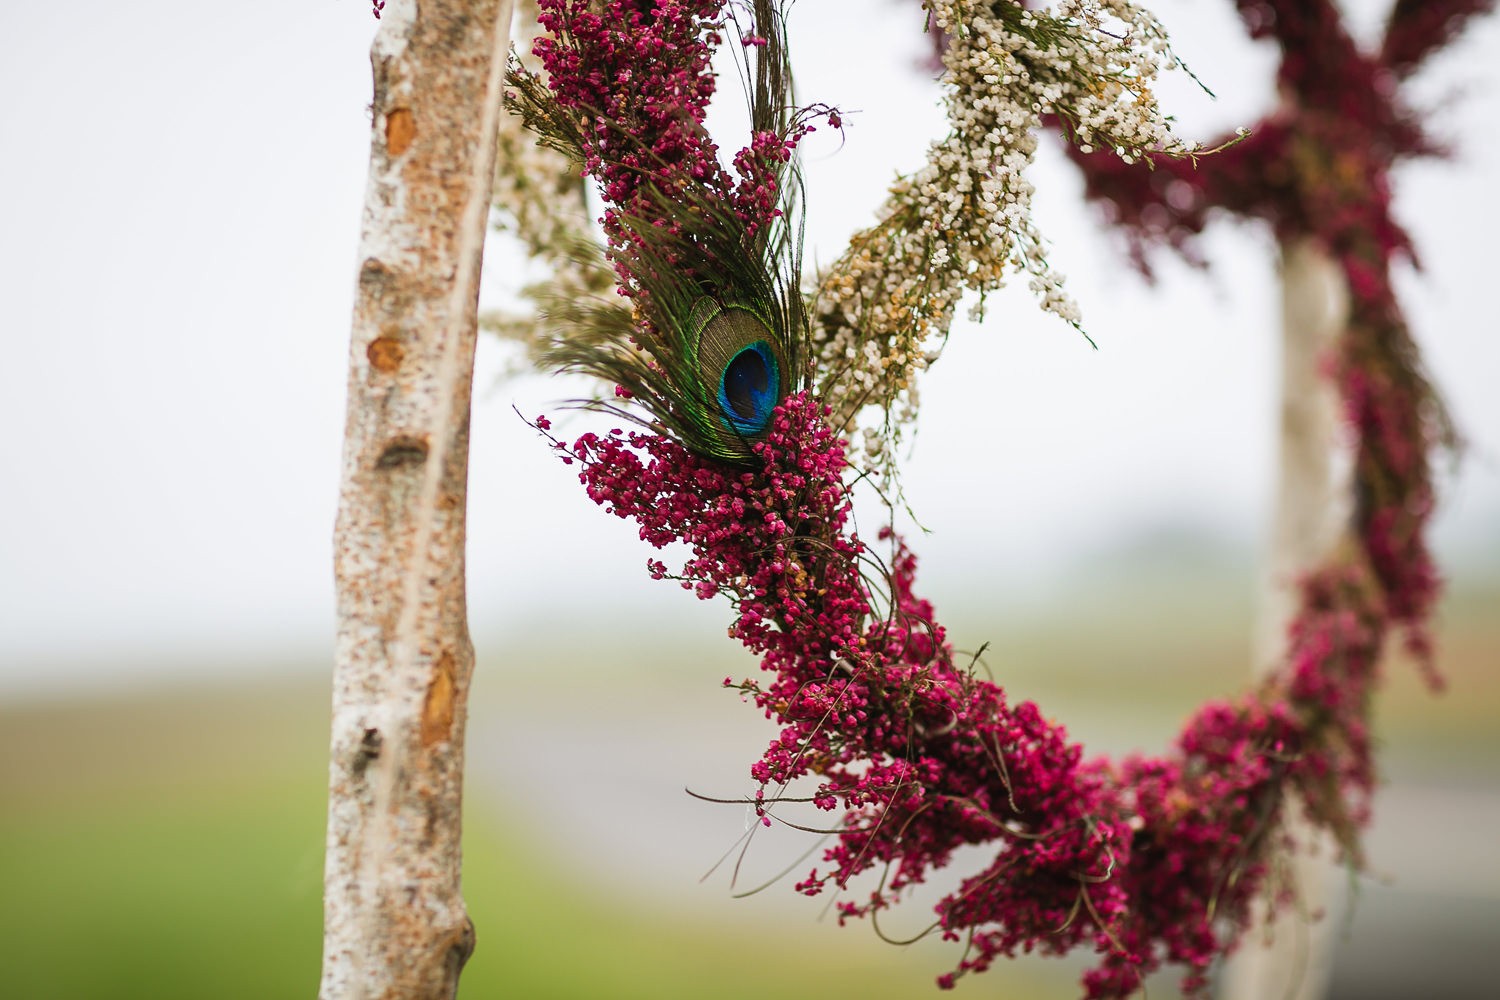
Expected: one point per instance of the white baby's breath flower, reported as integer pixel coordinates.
(959, 224)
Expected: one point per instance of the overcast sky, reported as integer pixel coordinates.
(180, 194)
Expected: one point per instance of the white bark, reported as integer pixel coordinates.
(1290, 958)
(394, 917)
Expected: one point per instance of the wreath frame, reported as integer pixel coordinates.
(1148, 860)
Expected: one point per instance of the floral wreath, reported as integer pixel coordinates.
(1144, 860)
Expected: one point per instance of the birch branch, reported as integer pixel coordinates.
(394, 918)
(1290, 955)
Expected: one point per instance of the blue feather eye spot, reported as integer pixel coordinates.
(750, 388)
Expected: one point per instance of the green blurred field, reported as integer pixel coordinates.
(172, 848)
(169, 844)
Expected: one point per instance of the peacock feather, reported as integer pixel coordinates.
(716, 336)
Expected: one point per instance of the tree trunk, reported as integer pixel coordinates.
(394, 917)
(1290, 958)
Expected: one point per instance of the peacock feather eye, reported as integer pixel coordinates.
(740, 368)
(749, 389)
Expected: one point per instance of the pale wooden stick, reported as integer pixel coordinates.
(1290, 957)
(394, 918)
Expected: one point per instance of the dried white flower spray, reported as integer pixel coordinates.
(963, 221)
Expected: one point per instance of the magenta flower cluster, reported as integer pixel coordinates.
(638, 71)
(1319, 168)
(1145, 861)
(1136, 860)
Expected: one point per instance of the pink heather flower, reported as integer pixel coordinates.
(639, 69)
(1135, 859)
(1319, 168)
(1145, 861)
